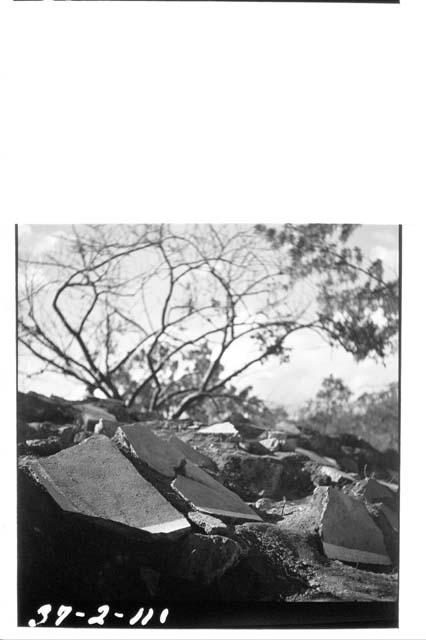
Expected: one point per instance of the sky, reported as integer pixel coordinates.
(290, 384)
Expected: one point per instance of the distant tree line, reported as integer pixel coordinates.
(373, 415)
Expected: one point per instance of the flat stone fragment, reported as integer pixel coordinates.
(191, 454)
(213, 498)
(254, 447)
(195, 472)
(203, 559)
(390, 515)
(95, 479)
(155, 452)
(348, 532)
(207, 523)
(222, 428)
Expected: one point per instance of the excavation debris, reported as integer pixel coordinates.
(113, 501)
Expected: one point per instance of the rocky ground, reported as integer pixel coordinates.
(115, 504)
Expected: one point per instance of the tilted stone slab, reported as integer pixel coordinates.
(95, 479)
(336, 474)
(158, 454)
(324, 460)
(209, 496)
(191, 454)
(348, 532)
(221, 429)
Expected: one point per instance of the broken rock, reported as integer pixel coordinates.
(106, 427)
(91, 414)
(210, 525)
(253, 446)
(348, 532)
(213, 498)
(246, 428)
(273, 476)
(94, 479)
(204, 558)
(42, 447)
(161, 456)
(271, 444)
(220, 429)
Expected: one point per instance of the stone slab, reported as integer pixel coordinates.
(209, 524)
(191, 454)
(390, 515)
(336, 474)
(213, 498)
(344, 554)
(95, 479)
(348, 532)
(106, 427)
(330, 462)
(220, 429)
(158, 454)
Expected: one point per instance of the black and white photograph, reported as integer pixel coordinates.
(208, 419)
(212, 324)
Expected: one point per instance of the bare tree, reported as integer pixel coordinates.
(128, 310)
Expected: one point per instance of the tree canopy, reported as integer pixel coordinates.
(168, 317)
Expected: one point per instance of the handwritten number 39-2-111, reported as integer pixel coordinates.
(64, 611)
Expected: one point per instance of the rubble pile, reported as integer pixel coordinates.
(115, 502)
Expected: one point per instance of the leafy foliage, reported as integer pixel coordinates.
(169, 317)
(373, 415)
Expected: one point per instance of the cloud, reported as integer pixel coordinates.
(389, 257)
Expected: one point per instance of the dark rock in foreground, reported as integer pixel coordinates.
(93, 479)
(149, 515)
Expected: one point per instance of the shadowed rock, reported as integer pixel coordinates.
(34, 407)
(204, 558)
(213, 498)
(207, 523)
(273, 476)
(348, 532)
